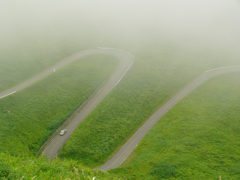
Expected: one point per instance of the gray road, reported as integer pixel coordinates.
(118, 158)
(126, 60)
(123, 56)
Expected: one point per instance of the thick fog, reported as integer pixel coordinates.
(215, 22)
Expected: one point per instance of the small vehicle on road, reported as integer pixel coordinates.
(63, 132)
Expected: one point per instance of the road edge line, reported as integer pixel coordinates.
(221, 68)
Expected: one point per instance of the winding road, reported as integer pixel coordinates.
(124, 152)
(126, 61)
(124, 57)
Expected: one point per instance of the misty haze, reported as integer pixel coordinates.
(119, 89)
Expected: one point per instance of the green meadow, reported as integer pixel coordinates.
(159, 72)
(30, 116)
(26, 57)
(197, 139)
(172, 43)
(26, 168)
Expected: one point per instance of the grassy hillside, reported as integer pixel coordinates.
(158, 73)
(30, 116)
(25, 168)
(24, 57)
(197, 139)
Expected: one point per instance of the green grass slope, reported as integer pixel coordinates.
(20, 65)
(158, 73)
(197, 139)
(26, 168)
(30, 116)
(28, 56)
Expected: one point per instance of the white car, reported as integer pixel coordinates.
(63, 132)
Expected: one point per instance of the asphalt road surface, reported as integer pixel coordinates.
(123, 153)
(126, 60)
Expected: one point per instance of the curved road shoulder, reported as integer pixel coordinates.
(126, 61)
(124, 152)
(120, 54)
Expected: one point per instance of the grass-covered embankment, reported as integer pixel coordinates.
(27, 56)
(158, 73)
(30, 116)
(197, 139)
(26, 168)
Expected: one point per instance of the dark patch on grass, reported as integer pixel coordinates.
(164, 171)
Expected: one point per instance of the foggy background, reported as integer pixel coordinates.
(214, 22)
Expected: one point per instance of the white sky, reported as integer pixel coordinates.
(215, 21)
